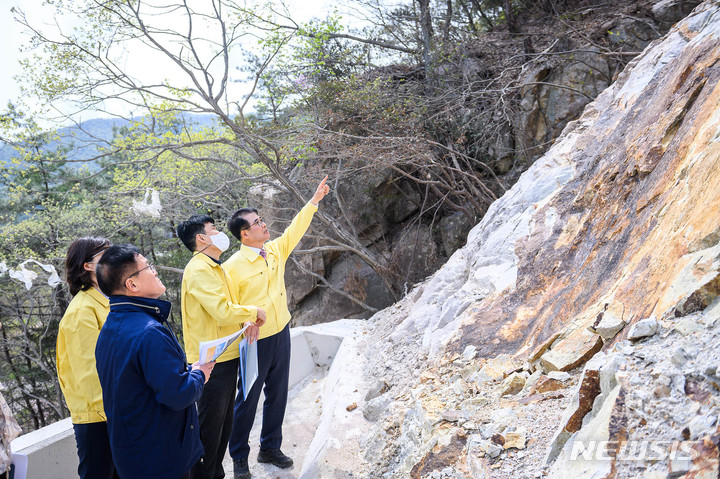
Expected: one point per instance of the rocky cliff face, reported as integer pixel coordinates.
(551, 86)
(557, 86)
(583, 307)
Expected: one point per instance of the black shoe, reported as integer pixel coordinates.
(275, 457)
(242, 471)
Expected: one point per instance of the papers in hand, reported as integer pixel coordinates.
(248, 365)
(211, 350)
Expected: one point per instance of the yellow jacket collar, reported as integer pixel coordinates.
(204, 258)
(98, 296)
(249, 254)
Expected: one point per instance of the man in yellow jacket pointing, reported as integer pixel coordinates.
(257, 276)
(209, 311)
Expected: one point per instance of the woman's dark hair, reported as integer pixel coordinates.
(238, 223)
(118, 262)
(187, 230)
(81, 251)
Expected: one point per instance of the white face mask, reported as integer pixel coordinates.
(221, 241)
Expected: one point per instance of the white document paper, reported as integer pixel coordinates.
(248, 365)
(211, 350)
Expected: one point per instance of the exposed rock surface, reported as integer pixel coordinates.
(555, 81)
(624, 209)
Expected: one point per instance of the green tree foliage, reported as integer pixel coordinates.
(40, 203)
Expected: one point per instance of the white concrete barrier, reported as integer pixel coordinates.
(301, 360)
(49, 452)
(335, 344)
(310, 350)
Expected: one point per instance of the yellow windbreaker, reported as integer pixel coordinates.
(209, 310)
(75, 355)
(262, 283)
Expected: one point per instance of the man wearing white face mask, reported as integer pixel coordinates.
(209, 311)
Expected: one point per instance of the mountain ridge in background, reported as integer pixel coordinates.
(84, 139)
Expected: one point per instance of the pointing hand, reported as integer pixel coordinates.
(320, 192)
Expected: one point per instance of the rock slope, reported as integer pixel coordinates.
(583, 307)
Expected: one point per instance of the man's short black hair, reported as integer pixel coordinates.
(238, 223)
(116, 264)
(187, 230)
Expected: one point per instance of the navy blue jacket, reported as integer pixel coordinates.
(148, 391)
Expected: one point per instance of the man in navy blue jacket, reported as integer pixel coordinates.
(148, 390)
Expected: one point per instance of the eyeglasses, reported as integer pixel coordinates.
(94, 261)
(150, 266)
(257, 222)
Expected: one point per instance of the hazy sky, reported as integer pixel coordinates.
(36, 13)
(9, 47)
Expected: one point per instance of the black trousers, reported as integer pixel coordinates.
(93, 446)
(274, 374)
(215, 412)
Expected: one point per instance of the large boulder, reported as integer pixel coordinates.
(298, 283)
(354, 278)
(668, 12)
(415, 253)
(453, 231)
(632, 34)
(400, 201)
(555, 92)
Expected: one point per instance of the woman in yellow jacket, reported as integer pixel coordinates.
(77, 336)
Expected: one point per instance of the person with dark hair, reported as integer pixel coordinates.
(148, 389)
(238, 223)
(210, 312)
(75, 357)
(257, 276)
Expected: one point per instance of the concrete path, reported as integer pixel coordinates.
(301, 420)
